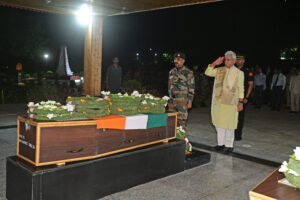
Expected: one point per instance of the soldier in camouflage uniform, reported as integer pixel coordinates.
(181, 89)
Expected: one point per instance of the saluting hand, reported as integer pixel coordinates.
(219, 61)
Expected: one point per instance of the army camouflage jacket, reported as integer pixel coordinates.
(181, 84)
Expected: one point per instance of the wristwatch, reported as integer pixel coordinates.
(241, 101)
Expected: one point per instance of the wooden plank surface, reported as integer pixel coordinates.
(270, 189)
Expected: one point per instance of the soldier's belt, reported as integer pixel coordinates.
(180, 96)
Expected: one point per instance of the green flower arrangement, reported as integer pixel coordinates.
(154, 105)
(181, 135)
(90, 107)
(49, 110)
(291, 169)
(123, 104)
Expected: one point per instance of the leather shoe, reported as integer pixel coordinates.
(219, 148)
(228, 150)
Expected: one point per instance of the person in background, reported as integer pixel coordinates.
(227, 99)
(114, 76)
(259, 87)
(289, 80)
(248, 87)
(277, 88)
(295, 92)
(268, 92)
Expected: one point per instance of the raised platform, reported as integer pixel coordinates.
(93, 179)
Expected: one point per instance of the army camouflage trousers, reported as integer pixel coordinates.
(179, 105)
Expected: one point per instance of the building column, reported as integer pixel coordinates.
(93, 57)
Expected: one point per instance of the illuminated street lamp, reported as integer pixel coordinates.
(84, 14)
(46, 56)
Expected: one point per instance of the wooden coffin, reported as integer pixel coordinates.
(46, 143)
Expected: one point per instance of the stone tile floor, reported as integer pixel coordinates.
(269, 135)
(224, 178)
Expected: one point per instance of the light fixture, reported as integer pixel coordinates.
(137, 54)
(46, 56)
(84, 14)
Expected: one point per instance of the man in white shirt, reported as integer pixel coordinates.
(277, 87)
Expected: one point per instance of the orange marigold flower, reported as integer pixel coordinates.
(88, 95)
(82, 100)
(108, 110)
(69, 97)
(84, 113)
(120, 110)
(108, 99)
(146, 108)
(110, 103)
(139, 110)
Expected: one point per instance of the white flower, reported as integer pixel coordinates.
(71, 108)
(166, 104)
(153, 104)
(144, 102)
(151, 97)
(166, 98)
(181, 129)
(30, 104)
(64, 107)
(50, 102)
(156, 98)
(105, 93)
(191, 148)
(36, 104)
(126, 94)
(40, 107)
(119, 93)
(297, 153)
(293, 172)
(135, 93)
(284, 167)
(50, 116)
(42, 102)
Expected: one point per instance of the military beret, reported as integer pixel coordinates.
(179, 55)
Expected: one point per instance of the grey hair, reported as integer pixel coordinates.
(230, 53)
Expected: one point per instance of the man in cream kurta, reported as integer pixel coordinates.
(227, 99)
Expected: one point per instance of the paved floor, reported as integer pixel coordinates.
(10, 112)
(269, 135)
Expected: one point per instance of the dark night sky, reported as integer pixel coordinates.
(259, 28)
